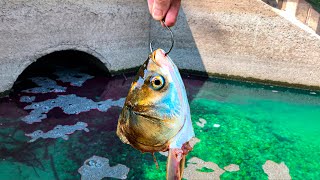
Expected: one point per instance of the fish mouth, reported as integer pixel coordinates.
(147, 116)
(136, 110)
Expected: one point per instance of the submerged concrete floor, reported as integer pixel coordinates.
(64, 127)
(245, 38)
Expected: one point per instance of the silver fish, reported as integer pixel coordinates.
(156, 113)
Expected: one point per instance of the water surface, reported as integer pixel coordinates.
(239, 124)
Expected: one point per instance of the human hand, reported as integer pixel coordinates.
(168, 9)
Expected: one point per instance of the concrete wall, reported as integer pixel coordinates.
(252, 39)
(239, 38)
(115, 31)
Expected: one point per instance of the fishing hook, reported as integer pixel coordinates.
(172, 40)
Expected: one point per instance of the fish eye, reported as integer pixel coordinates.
(157, 82)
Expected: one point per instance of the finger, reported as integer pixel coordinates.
(160, 9)
(171, 16)
(150, 5)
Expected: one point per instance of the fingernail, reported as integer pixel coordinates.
(157, 14)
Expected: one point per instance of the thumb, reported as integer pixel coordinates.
(160, 9)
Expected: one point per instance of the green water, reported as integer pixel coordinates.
(257, 123)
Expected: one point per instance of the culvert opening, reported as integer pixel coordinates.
(66, 62)
(68, 59)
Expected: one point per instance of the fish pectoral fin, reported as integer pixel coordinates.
(121, 135)
(175, 164)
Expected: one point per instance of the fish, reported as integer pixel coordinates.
(156, 113)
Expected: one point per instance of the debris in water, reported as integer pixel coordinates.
(276, 171)
(97, 168)
(73, 77)
(27, 99)
(274, 91)
(70, 104)
(166, 153)
(313, 93)
(46, 85)
(232, 168)
(194, 166)
(194, 141)
(58, 131)
(216, 125)
(201, 122)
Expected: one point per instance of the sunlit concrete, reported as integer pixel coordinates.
(248, 39)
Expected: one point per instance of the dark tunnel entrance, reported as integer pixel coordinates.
(67, 60)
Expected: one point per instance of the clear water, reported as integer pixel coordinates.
(237, 123)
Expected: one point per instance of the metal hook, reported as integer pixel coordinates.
(172, 40)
